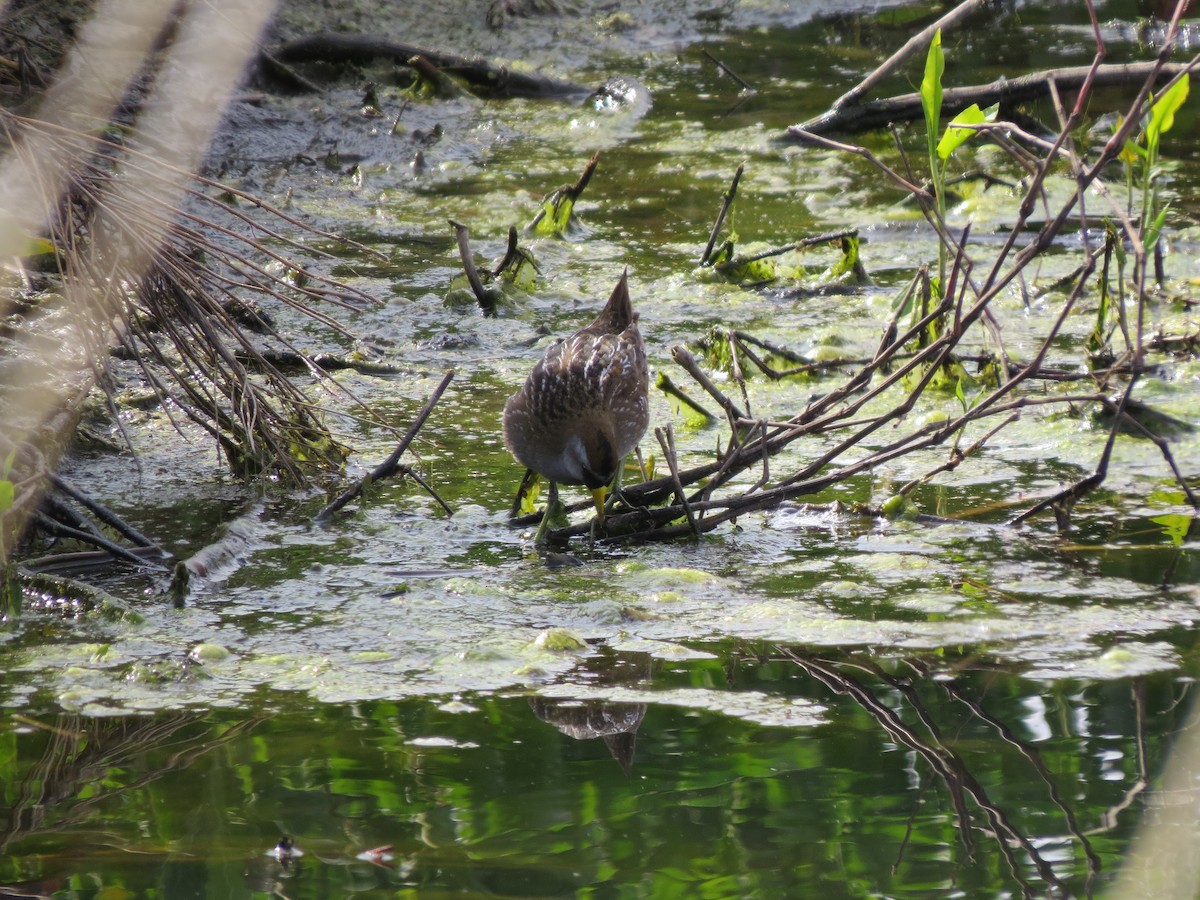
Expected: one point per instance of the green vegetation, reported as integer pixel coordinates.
(905, 598)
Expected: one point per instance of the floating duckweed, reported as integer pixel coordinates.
(482, 653)
(667, 597)
(559, 640)
(687, 576)
(372, 656)
(845, 588)
(633, 614)
(827, 353)
(898, 507)
(209, 653)
(113, 610)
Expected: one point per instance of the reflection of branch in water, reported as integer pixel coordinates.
(1162, 861)
(843, 684)
(1035, 759)
(1004, 830)
(83, 752)
(1108, 820)
(944, 761)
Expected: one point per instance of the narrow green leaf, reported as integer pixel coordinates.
(931, 88)
(1155, 230)
(1162, 113)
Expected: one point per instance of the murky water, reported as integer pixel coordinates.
(806, 703)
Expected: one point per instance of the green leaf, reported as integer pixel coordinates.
(7, 495)
(956, 135)
(850, 263)
(1162, 113)
(528, 500)
(741, 270)
(1155, 230)
(1174, 526)
(931, 89)
(1131, 152)
(39, 246)
(554, 215)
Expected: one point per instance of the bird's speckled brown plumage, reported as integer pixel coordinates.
(585, 406)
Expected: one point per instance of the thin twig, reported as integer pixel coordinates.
(742, 82)
(726, 203)
(684, 358)
(390, 466)
(913, 45)
(666, 440)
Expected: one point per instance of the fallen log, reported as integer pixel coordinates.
(850, 118)
(485, 78)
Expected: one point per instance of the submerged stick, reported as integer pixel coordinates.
(103, 513)
(53, 526)
(742, 82)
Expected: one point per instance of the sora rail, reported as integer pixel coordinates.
(585, 405)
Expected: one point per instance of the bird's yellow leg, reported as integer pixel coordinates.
(615, 494)
(598, 500)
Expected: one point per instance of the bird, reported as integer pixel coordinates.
(585, 405)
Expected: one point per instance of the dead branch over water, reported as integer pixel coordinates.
(863, 423)
(488, 79)
(391, 466)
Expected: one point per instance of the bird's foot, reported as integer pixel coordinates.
(554, 516)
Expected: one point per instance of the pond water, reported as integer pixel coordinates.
(807, 702)
(759, 774)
